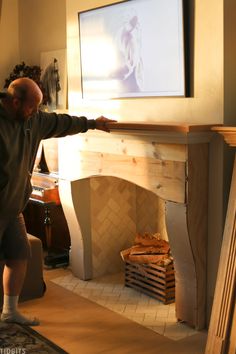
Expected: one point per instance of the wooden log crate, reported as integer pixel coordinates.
(157, 281)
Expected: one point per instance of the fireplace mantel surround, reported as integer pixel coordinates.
(170, 160)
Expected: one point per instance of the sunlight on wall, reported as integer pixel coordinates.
(93, 108)
(69, 165)
(9, 38)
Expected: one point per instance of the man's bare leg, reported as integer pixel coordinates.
(13, 279)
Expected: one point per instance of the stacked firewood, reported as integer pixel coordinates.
(148, 248)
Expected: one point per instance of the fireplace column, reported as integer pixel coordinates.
(187, 230)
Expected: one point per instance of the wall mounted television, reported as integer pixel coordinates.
(134, 48)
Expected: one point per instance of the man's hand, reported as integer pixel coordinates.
(102, 123)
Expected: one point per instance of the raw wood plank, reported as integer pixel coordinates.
(229, 134)
(145, 270)
(143, 279)
(155, 295)
(147, 258)
(165, 269)
(187, 230)
(163, 288)
(139, 281)
(165, 178)
(224, 298)
(146, 240)
(165, 282)
(125, 254)
(175, 127)
(149, 250)
(131, 146)
(232, 337)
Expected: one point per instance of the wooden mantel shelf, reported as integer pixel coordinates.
(175, 133)
(160, 127)
(229, 134)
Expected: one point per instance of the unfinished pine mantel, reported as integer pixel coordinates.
(222, 330)
(170, 160)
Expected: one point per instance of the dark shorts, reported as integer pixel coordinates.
(14, 242)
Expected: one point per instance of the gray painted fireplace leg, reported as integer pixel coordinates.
(190, 267)
(75, 199)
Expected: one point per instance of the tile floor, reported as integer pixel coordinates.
(110, 292)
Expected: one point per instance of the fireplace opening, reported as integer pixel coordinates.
(119, 211)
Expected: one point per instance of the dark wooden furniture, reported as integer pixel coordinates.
(44, 215)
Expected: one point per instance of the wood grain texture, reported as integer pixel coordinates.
(197, 220)
(221, 335)
(151, 279)
(164, 178)
(185, 271)
(232, 335)
(229, 134)
(175, 172)
(187, 231)
(224, 298)
(159, 126)
(131, 145)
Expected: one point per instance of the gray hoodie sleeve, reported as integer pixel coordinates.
(59, 125)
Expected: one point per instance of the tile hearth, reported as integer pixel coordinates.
(109, 291)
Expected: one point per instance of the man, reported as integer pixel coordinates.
(22, 127)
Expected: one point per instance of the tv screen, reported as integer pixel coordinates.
(133, 48)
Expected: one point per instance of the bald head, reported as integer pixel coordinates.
(26, 90)
(25, 97)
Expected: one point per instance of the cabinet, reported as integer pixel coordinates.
(44, 216)
(35, 214)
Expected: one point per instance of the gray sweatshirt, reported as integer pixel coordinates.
(19, 142)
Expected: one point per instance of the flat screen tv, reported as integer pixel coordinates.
(134, 48)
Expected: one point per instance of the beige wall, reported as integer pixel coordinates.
(42, 27)
(229, 62)
(27, 28)
(8, 38)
